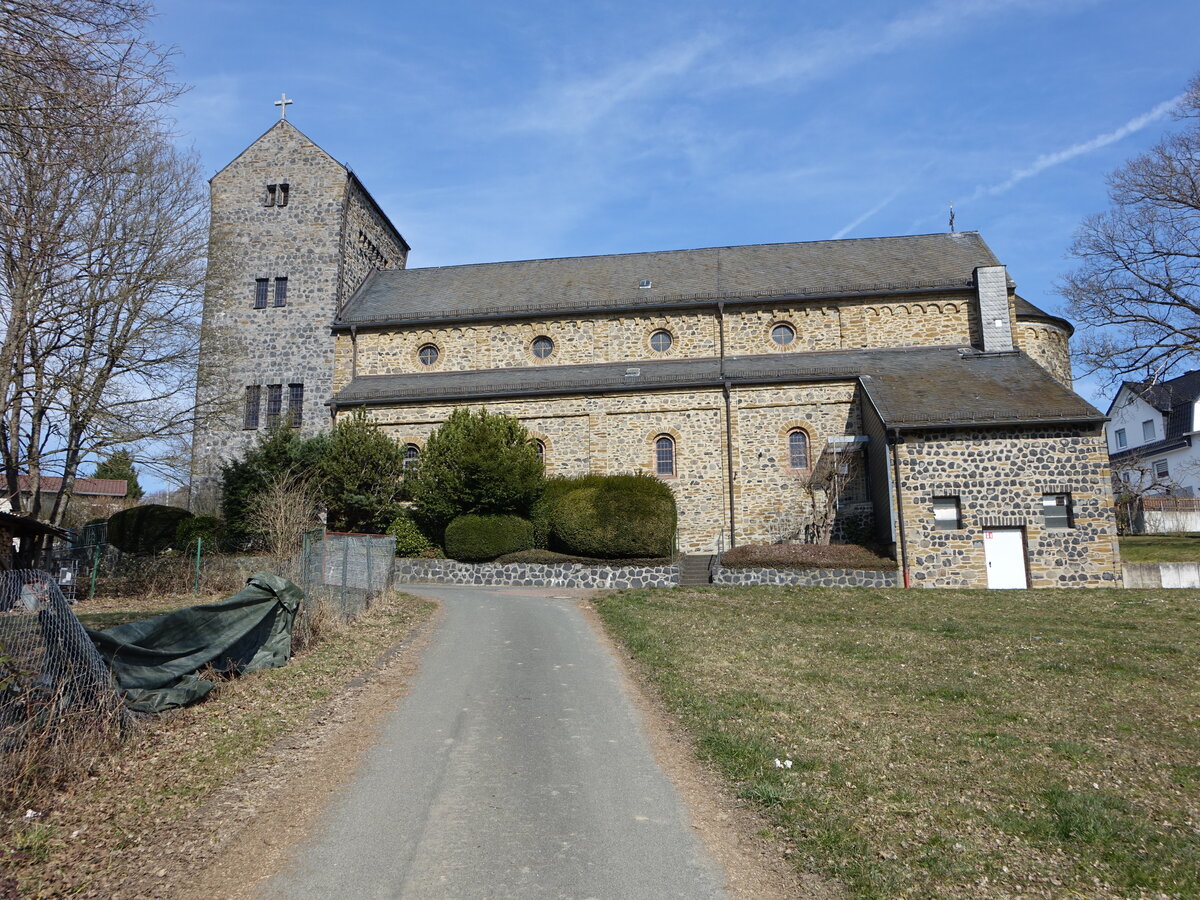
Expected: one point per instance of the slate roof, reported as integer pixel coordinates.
(533, 287)
(908, 386)
(1027, 311)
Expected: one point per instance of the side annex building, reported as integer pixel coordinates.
(734, 373)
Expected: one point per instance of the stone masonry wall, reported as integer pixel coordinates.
(447, 571)
(943, 320)
(866, 578)
(1047, 346)
(248, 240)
(616, 433)
(368, 243)
(1000, 475)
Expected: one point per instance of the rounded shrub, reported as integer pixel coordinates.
(146, 529)
(410, 540)
(474, 538)
(207, 528)
(612, 517)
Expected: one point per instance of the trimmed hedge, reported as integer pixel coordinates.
(474, 538)
(608, 516)
(146, 529)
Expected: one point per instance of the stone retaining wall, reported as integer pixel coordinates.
(447, 571)
(868, 578)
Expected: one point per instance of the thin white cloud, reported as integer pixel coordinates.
(878, 207)
(706, 63)
(828, 53)
(575, 106)
(882, 204)
(1049, 160)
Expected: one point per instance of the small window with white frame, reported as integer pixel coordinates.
(1148, 430)
(1161, 469)
(947, 513)
(1057, 511)
(1122, 439)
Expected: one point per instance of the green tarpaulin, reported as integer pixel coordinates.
(155, 661)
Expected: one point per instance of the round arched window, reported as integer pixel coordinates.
(542, 346)
(797, 449)
(541, 450)
(428, 354)
(661, 341)
(783, 334)
(664, 456)
(411, 454)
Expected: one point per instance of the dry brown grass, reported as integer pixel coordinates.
(805, 556)
(946, 743)
(106, 826)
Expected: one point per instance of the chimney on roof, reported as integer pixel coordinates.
(991, 289)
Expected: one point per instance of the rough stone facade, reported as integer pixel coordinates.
(1000, 476)
(319, 241)
(1047, 345)
(849, 578)
(447, 571)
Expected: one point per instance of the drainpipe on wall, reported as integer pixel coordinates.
(729, 462)
(893, 444)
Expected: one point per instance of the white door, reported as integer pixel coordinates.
(1004, 550)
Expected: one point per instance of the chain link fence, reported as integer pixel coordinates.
(50, 672)
(347, 570)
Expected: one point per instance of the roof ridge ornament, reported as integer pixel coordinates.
(283, 103)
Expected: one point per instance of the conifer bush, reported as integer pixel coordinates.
(473, 538)
(475, 463)
(410, 540)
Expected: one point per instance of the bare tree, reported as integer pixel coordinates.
(1138, 282)
(102, 233)
(282, 512)
(822, 492)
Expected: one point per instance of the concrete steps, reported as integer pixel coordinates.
(693, 568)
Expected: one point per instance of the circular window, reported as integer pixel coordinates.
(661, 340)
(428, 354)
(542, 346)
(783, 334)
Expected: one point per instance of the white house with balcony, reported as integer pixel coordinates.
(1151, 438)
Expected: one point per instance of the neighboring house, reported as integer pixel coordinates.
(91, 497)
(1151, 436)
(733, 373)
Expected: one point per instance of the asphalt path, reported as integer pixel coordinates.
(516, 767)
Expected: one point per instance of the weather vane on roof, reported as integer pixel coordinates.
(283, 103)
(952, 217)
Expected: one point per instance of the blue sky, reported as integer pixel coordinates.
(534, 129)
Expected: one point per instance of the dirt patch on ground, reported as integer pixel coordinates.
(732, 831)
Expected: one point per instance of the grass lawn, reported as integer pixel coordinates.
(1156, 548)
(946, 743)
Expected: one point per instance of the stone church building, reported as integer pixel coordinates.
(905, 369)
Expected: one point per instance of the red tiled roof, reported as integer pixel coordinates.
(84, 487)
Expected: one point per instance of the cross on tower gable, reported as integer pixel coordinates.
(283, 103)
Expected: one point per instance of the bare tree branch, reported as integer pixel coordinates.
(1137, 287)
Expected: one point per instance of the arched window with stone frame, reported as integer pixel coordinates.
(664, 456)
(798, 450)
(412, 453)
